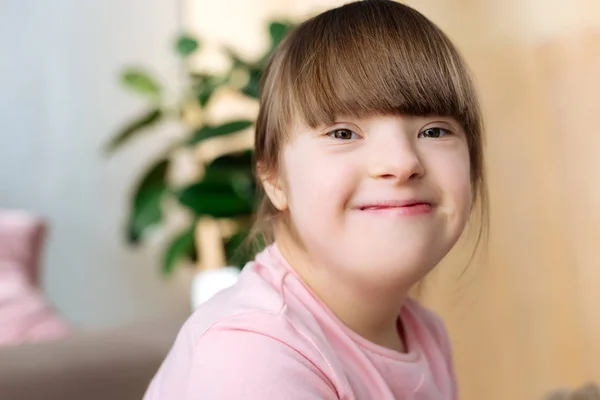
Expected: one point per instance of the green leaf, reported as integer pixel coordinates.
(252, 88)
(205, 85)
(186, 45)
(134, 127)
(238, 61)
(141, 82)
(216, 196)
(228, 128)
(238, 170)
(243, 160)
(204, 96)
(278, 30)
(240, 248)
(181, 247)
(146, 210)
(254, 71)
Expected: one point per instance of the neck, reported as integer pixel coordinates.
(370, 312)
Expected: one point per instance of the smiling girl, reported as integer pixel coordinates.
(369, 151)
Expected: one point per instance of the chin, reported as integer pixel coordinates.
(406, 263)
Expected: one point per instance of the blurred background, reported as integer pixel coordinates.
(114, 125)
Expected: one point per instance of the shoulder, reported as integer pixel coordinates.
(264, 301)
(423, 314)
(252, 327)
(256, 294)
(253, 355)
(242, 344)
(256, 364)
(428, 321)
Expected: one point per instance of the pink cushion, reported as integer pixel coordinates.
(25, 316)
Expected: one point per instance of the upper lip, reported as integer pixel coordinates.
(390, 203)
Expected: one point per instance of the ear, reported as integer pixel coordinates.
(273, 188)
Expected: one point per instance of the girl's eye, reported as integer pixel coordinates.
(343, 134)
(434, 133)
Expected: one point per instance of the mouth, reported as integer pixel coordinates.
(404, 207)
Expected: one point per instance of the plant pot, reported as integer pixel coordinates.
(207, 283)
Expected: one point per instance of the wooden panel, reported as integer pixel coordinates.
(524, 318)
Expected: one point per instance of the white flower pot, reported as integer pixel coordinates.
(207, 283)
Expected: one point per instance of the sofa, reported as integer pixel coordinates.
(41, 356)
(115, 364)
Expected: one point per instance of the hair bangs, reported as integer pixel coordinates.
(382, 63)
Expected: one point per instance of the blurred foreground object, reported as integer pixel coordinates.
(587, 392)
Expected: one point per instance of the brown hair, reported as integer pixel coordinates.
(365, 57)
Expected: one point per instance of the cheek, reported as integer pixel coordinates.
(317, 188)
(453, 172)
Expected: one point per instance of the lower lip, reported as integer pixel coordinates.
(415, 209)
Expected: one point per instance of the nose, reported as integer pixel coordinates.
(395, 159)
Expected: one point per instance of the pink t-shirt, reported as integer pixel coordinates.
(269, 337)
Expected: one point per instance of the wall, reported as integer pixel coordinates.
(60, 103)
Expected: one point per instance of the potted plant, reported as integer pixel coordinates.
(226, 190)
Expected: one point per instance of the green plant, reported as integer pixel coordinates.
(227, 189)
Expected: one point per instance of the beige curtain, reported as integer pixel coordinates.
(522, 316)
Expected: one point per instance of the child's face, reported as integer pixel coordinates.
(378, 198)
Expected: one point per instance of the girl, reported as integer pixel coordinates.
(369, 150)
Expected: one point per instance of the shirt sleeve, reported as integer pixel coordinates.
(236, 364)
